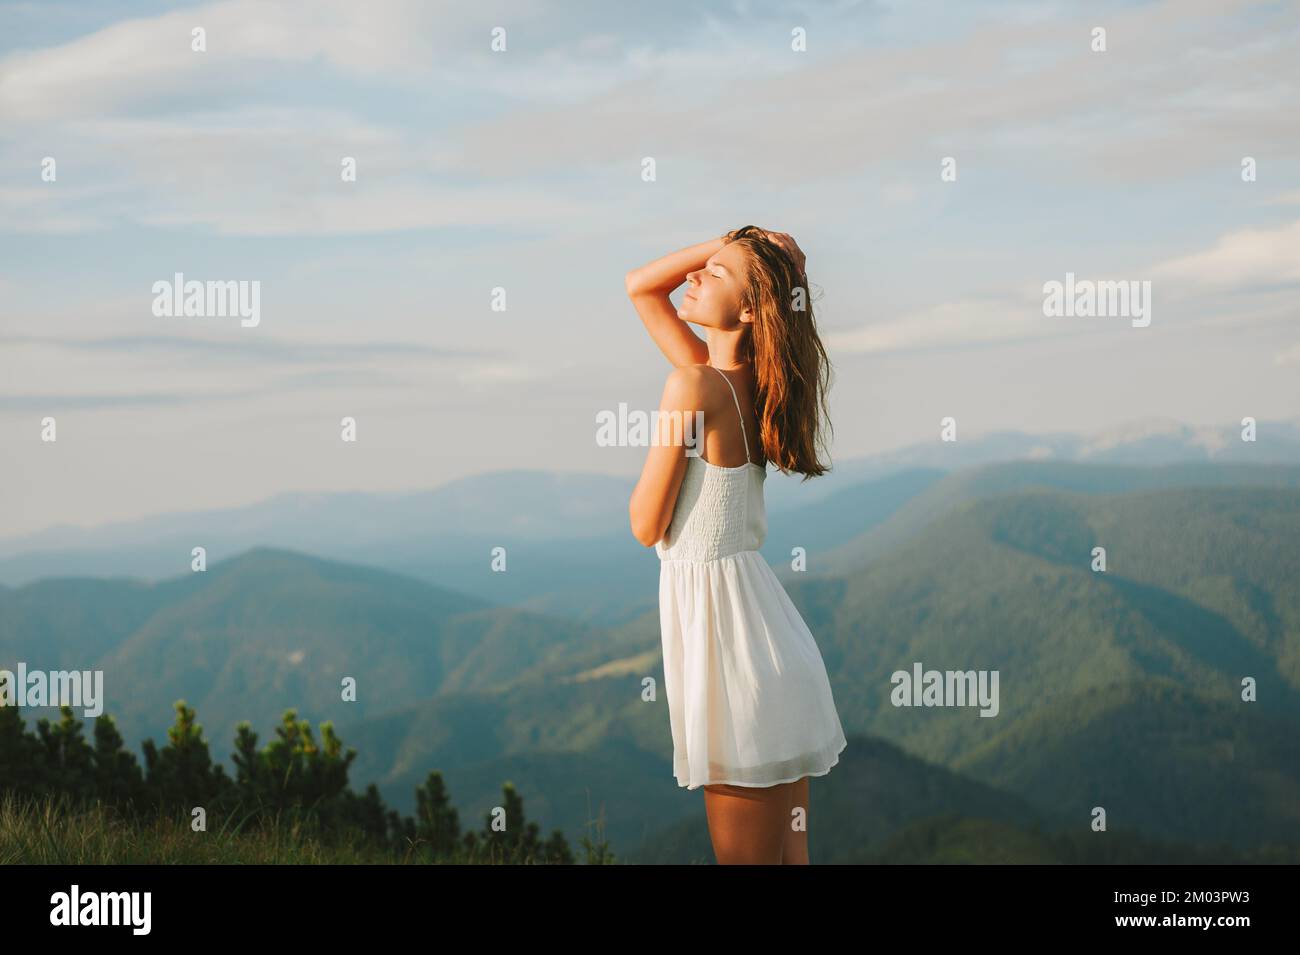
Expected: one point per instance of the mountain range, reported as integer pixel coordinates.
(1120, 688)
(567, 543)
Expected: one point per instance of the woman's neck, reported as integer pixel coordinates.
(727, 349)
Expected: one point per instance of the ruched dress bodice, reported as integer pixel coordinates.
(719, 512)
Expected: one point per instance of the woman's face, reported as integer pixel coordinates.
(712, 296)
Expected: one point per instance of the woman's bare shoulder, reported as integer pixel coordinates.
(690, 385)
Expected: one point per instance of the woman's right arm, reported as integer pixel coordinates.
(648, 288)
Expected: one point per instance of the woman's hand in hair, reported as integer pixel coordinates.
(785, 241)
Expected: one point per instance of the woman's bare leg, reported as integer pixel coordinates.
(748, 824)
(794, 849)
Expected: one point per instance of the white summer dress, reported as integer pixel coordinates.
(749, 701)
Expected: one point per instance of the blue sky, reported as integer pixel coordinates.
(522, 170)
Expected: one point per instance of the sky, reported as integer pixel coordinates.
(522, 169)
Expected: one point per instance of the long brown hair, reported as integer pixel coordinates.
(790, 364)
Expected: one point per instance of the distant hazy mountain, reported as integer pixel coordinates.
(1146, 442)
(543, 515)
(603, 578)
(505, 507)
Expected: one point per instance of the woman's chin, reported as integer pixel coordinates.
(688, 315)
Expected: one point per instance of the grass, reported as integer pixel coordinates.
(52, 831)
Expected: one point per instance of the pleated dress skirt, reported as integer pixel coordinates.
(749, 700)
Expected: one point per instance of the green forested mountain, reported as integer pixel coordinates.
(1120, 689)
(1160, 759)
(939, 495)
(272, 629)
(1202, 587)
(875, 791)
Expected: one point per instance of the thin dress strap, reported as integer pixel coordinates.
(738, 411)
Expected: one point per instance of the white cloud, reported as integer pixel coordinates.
(266, 171)
(131, 63)
(949, 325)
(723, 100)
(1240, 259)
(245, 140)
(769, 118)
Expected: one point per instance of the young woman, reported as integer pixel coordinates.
(749, 702)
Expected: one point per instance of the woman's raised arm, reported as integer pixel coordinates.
(648, 288)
